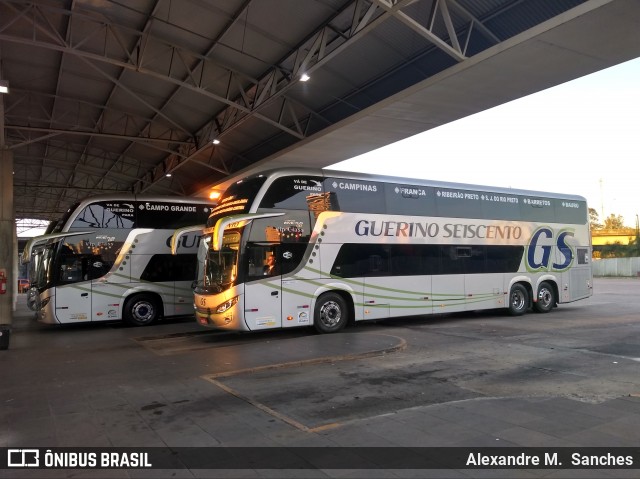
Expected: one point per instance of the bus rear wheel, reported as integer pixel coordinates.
(518, 300)
(331, 314)
(141, 310)
(546, 298)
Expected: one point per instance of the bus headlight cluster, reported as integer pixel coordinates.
(227, 304)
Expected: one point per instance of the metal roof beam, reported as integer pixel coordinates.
(317, 49)
(31, 160)
(160, 67)
(116, 124)
(167, 166)
(453, 50)
(119, 55)
(98, 135)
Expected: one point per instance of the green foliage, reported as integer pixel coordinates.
(614, 222)
(615, 250)
(619, 250)
(594, 220)
(633, 249)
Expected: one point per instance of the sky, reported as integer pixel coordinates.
(581, 137)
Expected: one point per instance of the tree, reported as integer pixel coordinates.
(633, 249)
(594, 220)
(614, 222)
(613, 250)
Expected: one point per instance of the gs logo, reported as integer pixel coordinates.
(541, 245)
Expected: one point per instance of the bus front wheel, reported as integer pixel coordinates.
(546, 299)
(141, 310)
(331, 314)
(518, 300)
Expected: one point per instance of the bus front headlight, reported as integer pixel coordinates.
(227, 304)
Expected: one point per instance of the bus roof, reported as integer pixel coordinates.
(328, 173)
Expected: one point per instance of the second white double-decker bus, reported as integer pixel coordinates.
(109, 258)
(298, 247)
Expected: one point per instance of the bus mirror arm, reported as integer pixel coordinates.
(179, 233)
(235, 222)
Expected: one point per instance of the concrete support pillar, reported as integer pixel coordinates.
(7, 246)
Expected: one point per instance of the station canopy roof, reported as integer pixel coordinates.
(172, 97)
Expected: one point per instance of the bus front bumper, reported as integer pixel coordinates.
(225, 315)
(46, 312)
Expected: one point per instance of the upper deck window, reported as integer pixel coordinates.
(237, 200)
(294, 193)
(356, 196)
(163, 215)
(106, 214)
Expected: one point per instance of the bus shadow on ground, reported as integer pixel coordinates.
(184, 342)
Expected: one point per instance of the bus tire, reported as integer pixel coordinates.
(330, 314)
(141, 310)
(546, 298)
(518, 300)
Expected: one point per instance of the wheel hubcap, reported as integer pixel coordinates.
(544, 297)
(143, 311)
(517, 300)
(330, 314)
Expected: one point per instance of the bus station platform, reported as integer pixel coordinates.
(567, 379)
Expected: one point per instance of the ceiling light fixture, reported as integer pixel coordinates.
(215, 141)
(4, 86)
(305, 77)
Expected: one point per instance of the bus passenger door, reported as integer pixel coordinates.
(297, 293)
(105, 303)
(263, 288)
(73, 290)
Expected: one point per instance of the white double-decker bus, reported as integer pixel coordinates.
(109, 258)
(358, 247)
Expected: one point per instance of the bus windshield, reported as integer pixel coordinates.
(40, 273)
(220, 267)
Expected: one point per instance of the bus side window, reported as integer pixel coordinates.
(377, 257)
(375, 263)
(70, 269)
(254, 270)
(256, 259)
(583, 255)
